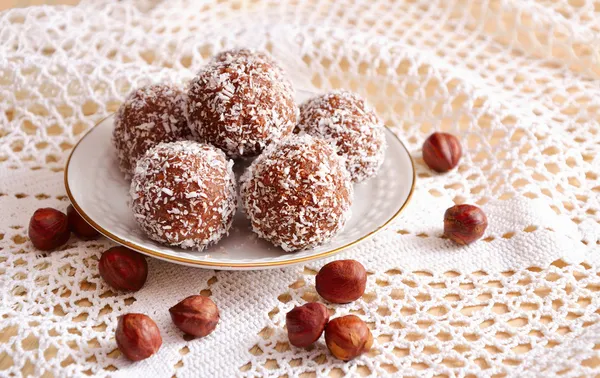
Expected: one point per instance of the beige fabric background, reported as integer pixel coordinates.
(6, 4)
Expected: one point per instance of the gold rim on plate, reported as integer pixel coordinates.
(211, 264)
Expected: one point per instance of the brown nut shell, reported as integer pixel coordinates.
(442, 152)
(79, 226)
(137, 336)
(341, 281)
(464, 224)
(306, 323)
(123, 269)
(48, 229)
(348, 337)
(195, 315)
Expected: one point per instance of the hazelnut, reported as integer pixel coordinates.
(348, 337)
(195, 315)
(137, 336)
(441, 152)
(48, 229)
(123, 269)
(306, 323)
(341, 281)
(79, 226)
(464, 224)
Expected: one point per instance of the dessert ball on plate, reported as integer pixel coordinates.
(184, 194)
(241, 102)
(150, 115)
(297, 194)
(344, 119)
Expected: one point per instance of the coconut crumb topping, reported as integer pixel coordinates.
(184, 194)
(241, 102)
(150, 115)
(346, 121)
(297, 194)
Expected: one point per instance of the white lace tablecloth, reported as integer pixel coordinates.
(517, 81)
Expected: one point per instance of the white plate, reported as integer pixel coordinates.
(100, 194)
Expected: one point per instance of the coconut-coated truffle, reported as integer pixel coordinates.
(346, 121)
(297, 194)
(184, 194)
(150, 115)
(241, 102)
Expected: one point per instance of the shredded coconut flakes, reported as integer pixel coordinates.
(346, 121)
(150, 115)
(241, 102)
(297, 194)
(184, 194)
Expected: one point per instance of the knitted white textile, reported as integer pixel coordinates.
(517, 81)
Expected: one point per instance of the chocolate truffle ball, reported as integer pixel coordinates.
(344, 119)
(241, 102)
(297, 194)
(184, 194)
(150, 115)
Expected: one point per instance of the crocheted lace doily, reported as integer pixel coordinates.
(517, 81)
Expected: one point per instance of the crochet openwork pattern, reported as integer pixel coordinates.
(517, 81)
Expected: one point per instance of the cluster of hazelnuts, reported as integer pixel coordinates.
(342, 281)
(50, 228)
(463, 223)
(137, 335)
(346, 337)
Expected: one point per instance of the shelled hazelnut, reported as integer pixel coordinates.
(195, 315)
(48, 229)
(442, 152)
(464, 224)
(348, 337)
(341, 281)
(123, 269)
(138, 337)
(79, 226)
(306, 323)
